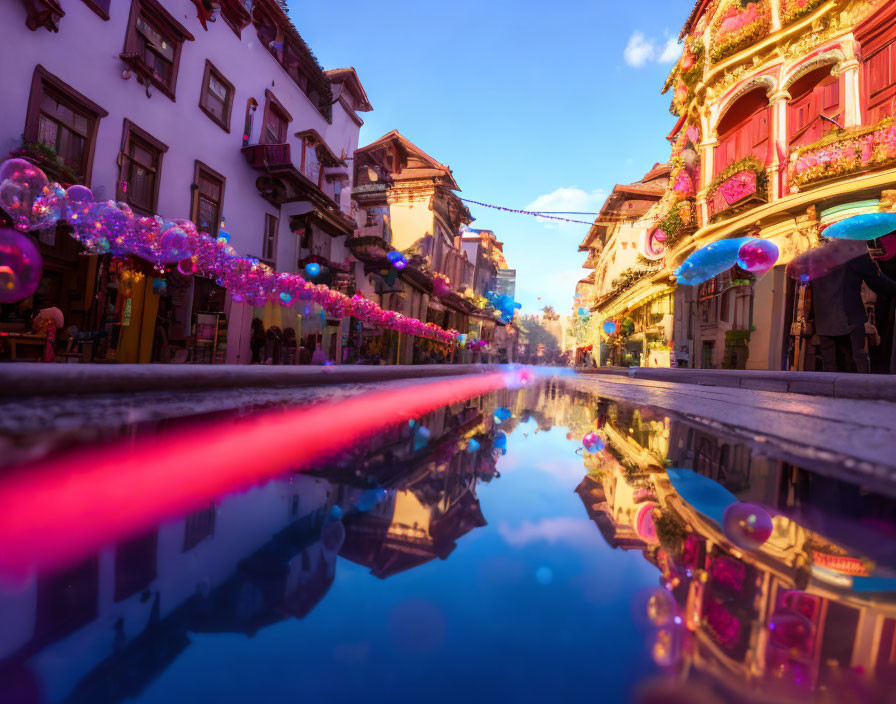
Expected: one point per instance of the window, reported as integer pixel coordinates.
(276, 121)
(880, 83)
(153, 43)
(815, 94)
(744, 131)
(251, 107)
(67, 600)
(141, 169)
(269, 246)
(135, 565)
(63, 119)
(209, 187)
(199, 526)
(216, 99)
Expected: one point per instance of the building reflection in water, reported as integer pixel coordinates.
(103, 630)
(810, 615)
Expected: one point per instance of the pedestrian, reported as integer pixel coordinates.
(257, 340)
(840, 312)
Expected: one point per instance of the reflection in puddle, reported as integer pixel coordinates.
(462, 556)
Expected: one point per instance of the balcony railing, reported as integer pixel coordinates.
(843, 153)
(268, 156)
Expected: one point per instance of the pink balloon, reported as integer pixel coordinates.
(747, 525)
(757, 256)
(20, 266)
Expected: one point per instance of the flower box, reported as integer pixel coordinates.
(843, 153)
(736, 27)
(742, 183)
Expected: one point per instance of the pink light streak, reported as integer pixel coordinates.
(62, 509)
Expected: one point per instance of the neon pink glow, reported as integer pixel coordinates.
(63, 509)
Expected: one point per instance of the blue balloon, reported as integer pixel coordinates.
(500, 441)
(710, 261)
(313, 270)
(502, 414)
(609, 327)
(421, 437)
(370, 498)
(472, 445)
(461, 339)
(862, 227)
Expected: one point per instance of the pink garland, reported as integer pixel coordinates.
(111, 227)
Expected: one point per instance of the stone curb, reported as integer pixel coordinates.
(23, 380)
(877, 387)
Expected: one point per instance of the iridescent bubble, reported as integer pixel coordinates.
(747, 525)
(78, 200)
(821, 261)
(174, 244)
(397, 260)
(186, 266)
(790, 631)
(757, 256)
(461, 339)
(312, 270)
(661, 608)
(20, 266)
(863, 227)
(421, 437)
(21, 183)
(710, 261)
(609, 327)
(473, 445)
(593, 443)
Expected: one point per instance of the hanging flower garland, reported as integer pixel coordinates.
(111, 227)
(792, 10)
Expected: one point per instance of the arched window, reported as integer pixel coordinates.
(744, 130)
(813, 95)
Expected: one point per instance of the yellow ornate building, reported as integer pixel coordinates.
(785, 125)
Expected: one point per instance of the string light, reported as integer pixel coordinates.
(526, 212)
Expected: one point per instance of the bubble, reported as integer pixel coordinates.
(412, 423)
(285, 298)
(790, 631)
(500, 441)
(21, 183)
(544, 575)
(397, 260)
(20, 266)
(862, 227)
(593, 443)
(174, 244)
(312, 270)
(336, 512)
(78, 200)
(661, 608)
(473, 445)
(710, 261)
(186, 266)
(821, 261)
(461, 339)
(609, 327)
(757, 256)
(502, 414)
(421, 437)
(747, 525)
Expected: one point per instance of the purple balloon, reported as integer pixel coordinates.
(757, 256)
(21, 184)
(747, 525)
(20, 266)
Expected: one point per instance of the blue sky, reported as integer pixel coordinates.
(532, 105)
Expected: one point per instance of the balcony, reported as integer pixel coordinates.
(282, 182)
(843, 153)
(741, 186)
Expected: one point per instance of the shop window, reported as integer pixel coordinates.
(100, 7)
(814, 95)
(63, 119)
(880, 83)
(208, 204)
(744, 131)
(135, 565)
(153, 44)
(269, 246)
(216, 99)
(199, 526)
(276, 121)
(141, 169)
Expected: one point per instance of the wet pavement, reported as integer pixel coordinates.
(603, 543)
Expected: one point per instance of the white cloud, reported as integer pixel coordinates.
(670, 52)
(550, 530)
(639, 50)
(642, 50)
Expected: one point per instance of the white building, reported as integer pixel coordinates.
(150, 103)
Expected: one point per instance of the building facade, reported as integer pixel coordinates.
(223, 118)
(785, 112)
